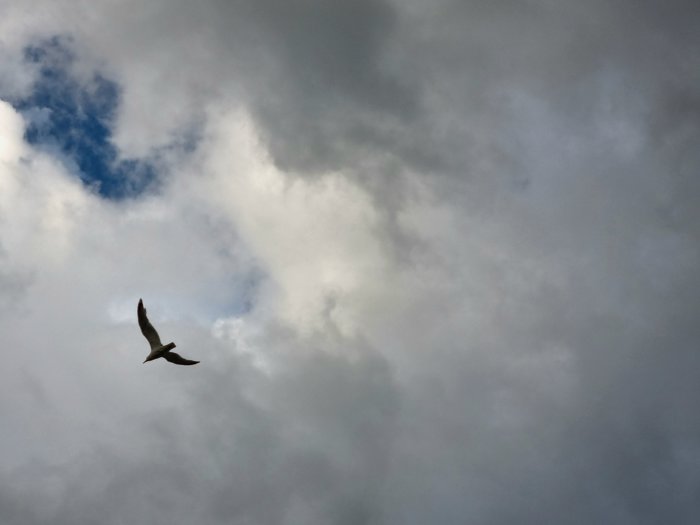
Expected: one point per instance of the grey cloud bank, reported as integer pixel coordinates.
(439, 261)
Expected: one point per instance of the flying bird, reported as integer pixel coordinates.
(158, 349)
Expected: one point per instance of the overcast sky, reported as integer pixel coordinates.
(438, 259)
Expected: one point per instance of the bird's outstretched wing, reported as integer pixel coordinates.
(147, 328)
(178, 359)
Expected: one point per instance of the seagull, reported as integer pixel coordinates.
(158, 349)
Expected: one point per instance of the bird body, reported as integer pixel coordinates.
(158, 349)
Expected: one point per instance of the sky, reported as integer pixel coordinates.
(439, 261)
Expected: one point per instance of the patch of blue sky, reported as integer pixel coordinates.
(232, 296)
(244, 299)
(73, 119)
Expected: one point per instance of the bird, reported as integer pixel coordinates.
(158, 349)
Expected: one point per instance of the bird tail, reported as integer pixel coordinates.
(168, 347)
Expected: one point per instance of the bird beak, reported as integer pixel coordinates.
(146, 361)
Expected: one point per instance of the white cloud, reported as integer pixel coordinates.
(316, 239)
(12, 129)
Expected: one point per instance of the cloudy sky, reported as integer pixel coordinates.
(439, 261)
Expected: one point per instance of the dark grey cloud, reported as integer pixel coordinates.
(340, 93)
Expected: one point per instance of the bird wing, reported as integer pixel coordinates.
(178, 359)
(147, 328)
